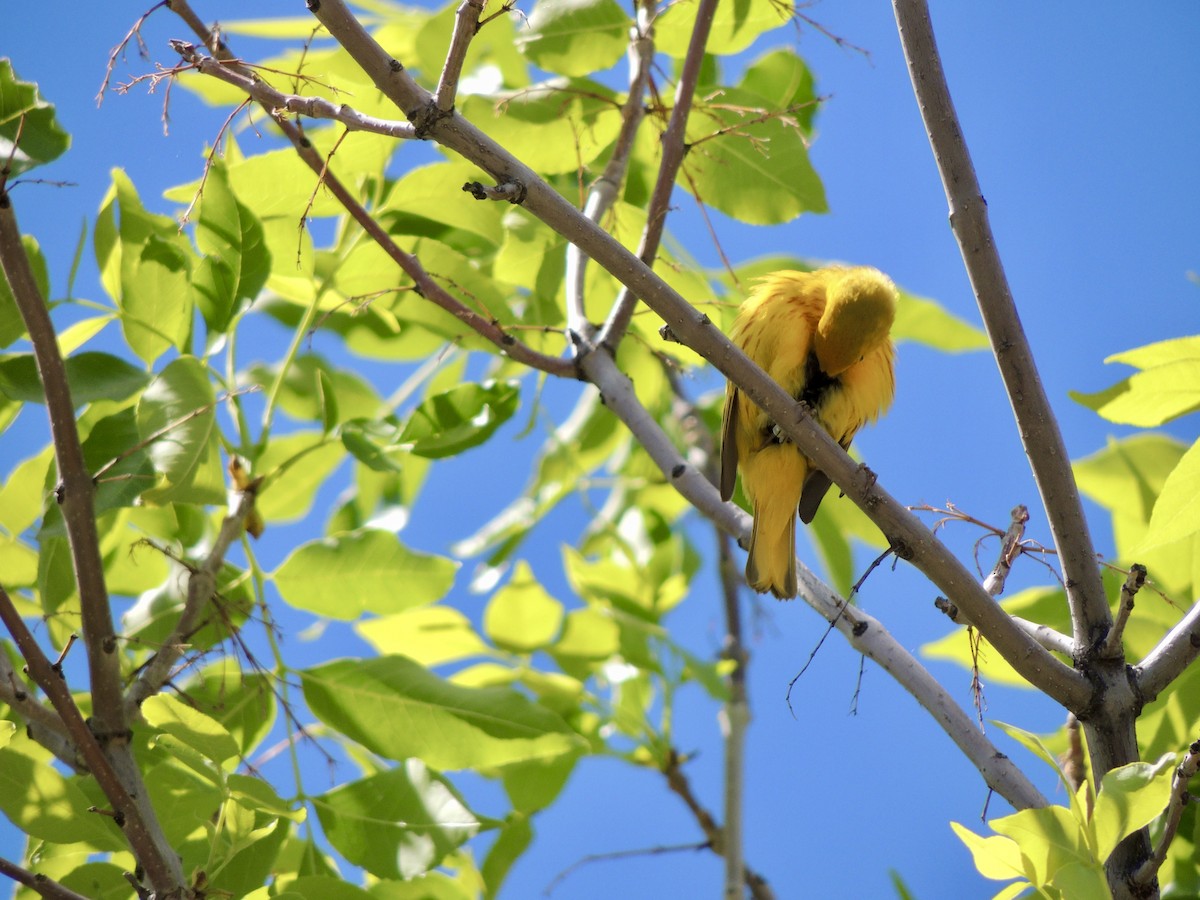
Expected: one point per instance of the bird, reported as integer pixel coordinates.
(825, 337)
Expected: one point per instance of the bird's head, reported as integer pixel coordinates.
(860, 306)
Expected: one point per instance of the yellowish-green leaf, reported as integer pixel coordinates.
(191, 726)
(997, 858)
(575, 37)
(1151, 397)
(345, 575)
(1177, 511)
(926, 322)
(522, 616)
(1130, 797)
(431, 635)
(446, 725)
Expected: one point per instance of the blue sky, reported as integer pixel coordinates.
(1082, 125)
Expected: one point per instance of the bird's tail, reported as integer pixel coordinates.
(771, 565)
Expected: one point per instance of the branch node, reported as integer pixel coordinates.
(512, 191)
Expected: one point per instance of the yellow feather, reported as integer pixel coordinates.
(824, 337)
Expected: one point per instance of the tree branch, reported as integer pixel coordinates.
(39, 884)
(44, 726)
(713, 833)
(75, 490)
(105, 744)
(425, 284)
(1174, 653)
(150, 848)
(1111, 648)
(1180, 797)
(466, 26)
(604, 190)
(695, 329)
(1035, 419)
(674, 148)
(202, 584)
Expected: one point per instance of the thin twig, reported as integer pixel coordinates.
(201, 585)
(716, 836)
(466, 26)
(424, 283)
(1111, 648)
(674, 148)
(1010, 549)
(1180, 797)
(38, 883)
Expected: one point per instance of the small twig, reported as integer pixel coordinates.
(674, 148)
(510, 191)
(169, 427)
(1180, 797)
(277, 102)
(832, 624)
(1111, 648)
(716, 836)
(1010, 549)
(134, 32)
(201, 586)
(615, 855)
(466, 26)
(38, 883)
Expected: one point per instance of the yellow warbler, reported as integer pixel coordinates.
(824, 337)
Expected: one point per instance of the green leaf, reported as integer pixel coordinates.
(589, 633)
(1127, 475)
(1151, 397)
(514, 839)
(1130, 797)
(91, 376)
(7, 730)
(177, 414)
(735, 27)
(750, 160)
(398, 824)
(1049, 838)
(345, 575)
(25, 114)
(47, 806)
(191, 726)
(373, 443)
(548, 129)
(229, 231)
(447, 726)
(430, 635)
(12, 325)
(997, 858)
(156, 300)
(462, 417)
(295, 467)
(575, 37)
(926, 322)
(522, 616)
(1177, 511)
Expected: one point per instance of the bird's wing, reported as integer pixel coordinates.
(816, 485)
(729, 453)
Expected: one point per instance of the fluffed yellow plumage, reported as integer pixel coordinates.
(824, 336)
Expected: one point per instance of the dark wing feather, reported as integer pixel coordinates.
(729, 454)
(816, 485)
